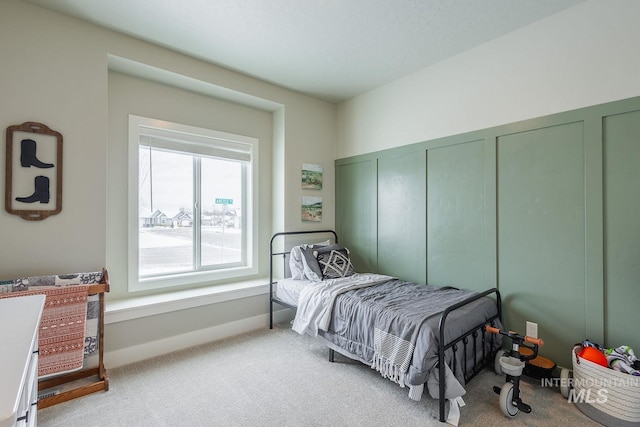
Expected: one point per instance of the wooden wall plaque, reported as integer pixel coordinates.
(33, 180)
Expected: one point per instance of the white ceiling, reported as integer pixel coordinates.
(330, 49)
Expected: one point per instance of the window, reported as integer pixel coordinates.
(192, 200)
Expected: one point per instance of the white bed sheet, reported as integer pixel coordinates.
(288, 290)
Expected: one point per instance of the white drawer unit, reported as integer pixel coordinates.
(19, 324)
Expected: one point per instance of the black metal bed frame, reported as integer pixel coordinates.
(452, 346)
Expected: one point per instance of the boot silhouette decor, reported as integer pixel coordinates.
(33, 171)
(28, 155)
(41, 193)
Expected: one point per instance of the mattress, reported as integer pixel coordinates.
(288, 290)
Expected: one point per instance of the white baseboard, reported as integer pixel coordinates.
(137, 353)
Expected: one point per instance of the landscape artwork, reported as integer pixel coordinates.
(311, 176)
(311, 208)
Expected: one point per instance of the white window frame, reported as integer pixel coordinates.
(209, 139)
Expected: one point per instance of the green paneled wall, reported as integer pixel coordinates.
(401, 198)
(622, 227)
(456, 218)
(541, 232)
(356, 224)
(547, 210)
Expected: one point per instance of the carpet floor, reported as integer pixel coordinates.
(279, 378)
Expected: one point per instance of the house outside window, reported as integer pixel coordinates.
(192, 197)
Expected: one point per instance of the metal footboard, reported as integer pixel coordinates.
(463, 341)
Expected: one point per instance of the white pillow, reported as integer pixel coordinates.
(295, 263)
(296, 260)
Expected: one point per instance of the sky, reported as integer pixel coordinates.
(173, 182)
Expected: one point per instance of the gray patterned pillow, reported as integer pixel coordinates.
(334, 262)
(312, 270)
(301, 262)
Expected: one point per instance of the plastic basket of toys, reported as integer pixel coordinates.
(604, 384)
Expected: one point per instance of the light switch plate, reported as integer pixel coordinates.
(532, 329)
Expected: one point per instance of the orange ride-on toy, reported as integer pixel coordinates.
(512, 365)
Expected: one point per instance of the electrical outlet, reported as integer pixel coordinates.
(532, 329)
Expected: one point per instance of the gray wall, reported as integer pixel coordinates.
(547, 210)
(133, 95)
(67, 81)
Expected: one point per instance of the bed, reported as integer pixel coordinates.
(413, 334)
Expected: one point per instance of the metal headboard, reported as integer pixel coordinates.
(284, 254)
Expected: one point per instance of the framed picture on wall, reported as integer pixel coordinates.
(33, 171)
(311, 208)
(311, 176)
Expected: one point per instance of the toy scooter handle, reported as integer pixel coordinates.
(492, 329)
(536, 341)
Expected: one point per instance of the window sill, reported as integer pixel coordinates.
(135, 308)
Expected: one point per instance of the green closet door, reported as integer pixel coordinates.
(356, 212)
(456, 216)
(401, 213)
(622, 229)
(541, 234)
